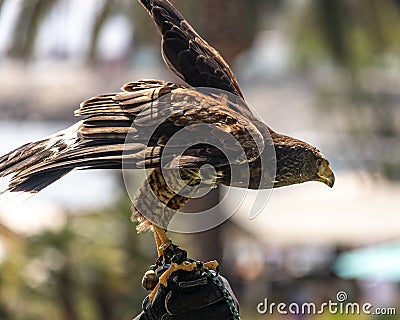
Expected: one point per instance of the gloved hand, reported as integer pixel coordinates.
(190, 295)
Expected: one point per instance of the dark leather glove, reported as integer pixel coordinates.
(190, 295)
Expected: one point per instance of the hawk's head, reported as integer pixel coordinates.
(299, 162)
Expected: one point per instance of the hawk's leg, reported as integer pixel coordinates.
(161, 239)
(170, 254)
(158, 199)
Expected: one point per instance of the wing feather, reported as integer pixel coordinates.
(187, 54)
(133, 127)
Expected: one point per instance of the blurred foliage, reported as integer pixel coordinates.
(358, 42)
(91, 269)
(31, 15)
(353, 34)
(231, 35)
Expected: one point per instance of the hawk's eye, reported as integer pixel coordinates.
(319, 162)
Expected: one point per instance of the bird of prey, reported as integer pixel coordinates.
(120, 127)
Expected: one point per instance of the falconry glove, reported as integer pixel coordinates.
(193, 295)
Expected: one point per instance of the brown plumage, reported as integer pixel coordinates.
(133, 127)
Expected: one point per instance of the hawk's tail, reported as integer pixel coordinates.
(24, 163)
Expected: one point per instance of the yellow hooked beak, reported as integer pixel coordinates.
(326, 175)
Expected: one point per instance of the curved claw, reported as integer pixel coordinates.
(185, 266)
(212, 265)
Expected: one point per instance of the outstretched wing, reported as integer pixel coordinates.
(135, 126)
(186, 53)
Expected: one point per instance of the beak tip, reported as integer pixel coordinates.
(330, 180)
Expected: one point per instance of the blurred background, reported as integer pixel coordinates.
(323, 71)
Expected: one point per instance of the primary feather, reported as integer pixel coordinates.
(149, 113)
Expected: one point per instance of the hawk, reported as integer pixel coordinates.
(135, 125)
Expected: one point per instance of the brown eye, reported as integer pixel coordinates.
(319, 162)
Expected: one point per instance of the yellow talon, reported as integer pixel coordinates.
(212, 265)
(153, 292)
(185, 266)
